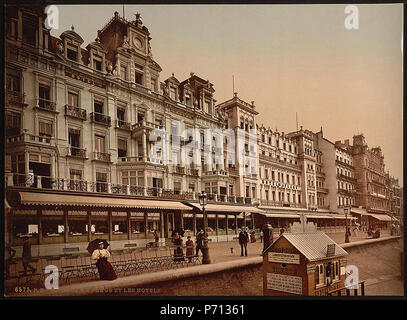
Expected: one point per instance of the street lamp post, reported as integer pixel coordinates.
(346, 224)
(205, 252)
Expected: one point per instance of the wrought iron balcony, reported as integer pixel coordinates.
(77, 152)
(100, 118)
(15, 97)
(75, 112)
(45, 104)
(123, 125)
(101, 156)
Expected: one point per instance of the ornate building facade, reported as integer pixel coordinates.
(98, 145)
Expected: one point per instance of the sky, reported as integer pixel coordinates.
(287, 58)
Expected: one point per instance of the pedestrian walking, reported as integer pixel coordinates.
(199, 242)
(156, 237)
(178, 252)
(252, 237)
(243, 239)
(190, 248)
(27, 256)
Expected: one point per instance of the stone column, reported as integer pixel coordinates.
(109, 224)
(162, 224)
(145, 225)
(128, 225)
(194, 223)
(66, 226)
(39, 216)
(89, 226)
(217, 224)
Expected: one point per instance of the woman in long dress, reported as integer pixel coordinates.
(105, 269)
(178, 252)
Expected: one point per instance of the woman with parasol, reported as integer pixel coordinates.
(100, 254)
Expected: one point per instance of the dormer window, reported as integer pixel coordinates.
(173, 93)
(72, 53)
(123, 72)
(188, 100)
(153, 84)
(97, 63)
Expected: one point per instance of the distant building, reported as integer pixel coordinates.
(340, 173)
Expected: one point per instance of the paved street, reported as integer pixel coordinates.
(220, 251)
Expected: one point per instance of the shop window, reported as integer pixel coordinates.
(77, 225)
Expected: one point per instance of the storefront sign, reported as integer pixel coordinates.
(289, 258)
(284, 283)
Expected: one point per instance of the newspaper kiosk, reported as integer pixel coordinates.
(303, 262)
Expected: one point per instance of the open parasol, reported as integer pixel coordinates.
(94, 244)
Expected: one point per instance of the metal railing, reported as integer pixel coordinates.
(123, 125)
(46, 104)
(100, 118)
(75, 112)
(101, 156)
(77, 152)
(15, 97)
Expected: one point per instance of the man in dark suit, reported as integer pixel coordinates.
(243, 239)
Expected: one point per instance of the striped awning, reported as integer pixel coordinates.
(37, 198)
(381, 217)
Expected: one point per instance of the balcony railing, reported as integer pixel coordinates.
(180, 169)
(14, 97)
(123, 125)
(75, 112)
(272, 203)
(45, 182)
(76, 185)
(146, 124)
(216, 172)
(101, 156)
(46, 104)
(342, 176)
(100, 118)
(338, 162)
(77, 152)
(193, 172)
(26, 137)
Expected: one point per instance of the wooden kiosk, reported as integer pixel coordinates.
(303, 262)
